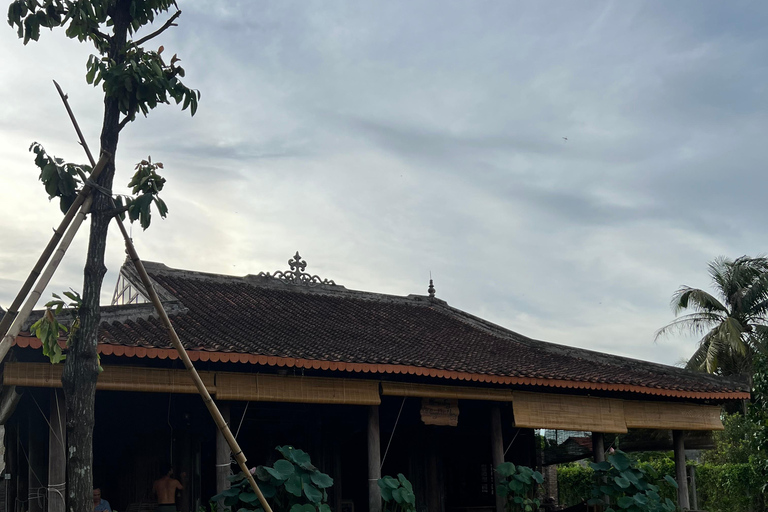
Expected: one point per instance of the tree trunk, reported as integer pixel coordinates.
(81, 366)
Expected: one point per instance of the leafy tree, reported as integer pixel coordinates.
(733, 322)
(134, 80)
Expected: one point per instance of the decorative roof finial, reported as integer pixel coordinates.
(297, 275)
(431, 289)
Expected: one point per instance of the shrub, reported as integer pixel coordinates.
(628, 486)
(397, 494)
(518, 486)
(292, 484)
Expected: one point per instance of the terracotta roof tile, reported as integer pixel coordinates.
(262, 316)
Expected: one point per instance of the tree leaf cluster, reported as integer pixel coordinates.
(291, 484)
(733, 322)
(397, 494)
(518, 485)
(60, 179)
(48, 329)
(146, 184)
(137, 78)
(141, 81)
(629, 486)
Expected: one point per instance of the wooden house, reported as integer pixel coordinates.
(368, 384)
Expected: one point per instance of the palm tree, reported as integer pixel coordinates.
(733, 325)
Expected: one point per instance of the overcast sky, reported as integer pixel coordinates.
(386, 140)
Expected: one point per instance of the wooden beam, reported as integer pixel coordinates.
(57, 462)
(223, 454)
(497, 450)
(374, 459)
(678, 440)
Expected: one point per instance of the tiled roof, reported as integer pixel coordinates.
(263, 320)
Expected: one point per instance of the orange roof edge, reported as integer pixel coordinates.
(226, 357)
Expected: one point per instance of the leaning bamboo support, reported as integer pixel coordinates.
(201, 388)
(58, 233)
(45, 278)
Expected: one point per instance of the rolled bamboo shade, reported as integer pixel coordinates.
(665, 415)
(449, 392)
(568, 412)
(113, 378)
(284, 388)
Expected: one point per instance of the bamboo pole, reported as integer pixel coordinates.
(45, 277)
(13, 310)
(201, 388)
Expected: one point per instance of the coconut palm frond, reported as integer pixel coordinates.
(759, 338)
(698, 360)
(695, 299)
(697, 323)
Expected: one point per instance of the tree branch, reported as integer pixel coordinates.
(125, 121)
(114, 212)
(167, 25)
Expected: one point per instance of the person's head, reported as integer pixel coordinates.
(96, 495)
(169, 473)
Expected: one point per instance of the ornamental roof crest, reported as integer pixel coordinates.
(296, 274)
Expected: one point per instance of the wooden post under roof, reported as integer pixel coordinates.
(223, 454)
(374, 459)
(598, 446)
(57, 463)
(678, 440)
(36, 472)
(497, 451)
(694, 494)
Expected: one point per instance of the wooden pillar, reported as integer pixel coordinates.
(497, 451)
(374, 460)
(223, 455)
(694, 494)
(435, 495)
(598, 446)
(57, 462)
(678, 440)
(36, 473)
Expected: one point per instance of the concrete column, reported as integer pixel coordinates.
(678, 440)
(223, 455)
(374, 460)
(57, 461)
(497, 451)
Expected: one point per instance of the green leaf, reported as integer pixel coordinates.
(293, 484)
(249, 497)
(671, 481)
(625, 502)
(321, 480)
(622, 482)
(281, 469)
(312, 494)
(404, 482)
(506, 469)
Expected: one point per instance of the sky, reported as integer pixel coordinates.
(559, 168)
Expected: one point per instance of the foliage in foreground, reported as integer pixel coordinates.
(397, 494)
(291, 484)
(518, 485)
(628, 486)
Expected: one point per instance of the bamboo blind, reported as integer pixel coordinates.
(567, 412)
(450, 392)
(665, 415)
(113, 378)
(284, 388)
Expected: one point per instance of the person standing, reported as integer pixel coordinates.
(165, 489)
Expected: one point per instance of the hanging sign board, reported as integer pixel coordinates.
(440, 411)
